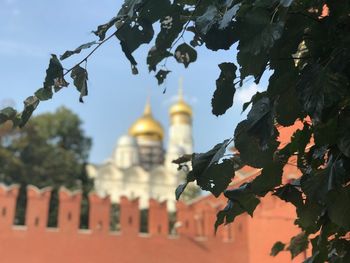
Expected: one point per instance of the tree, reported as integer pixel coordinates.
(51, 150)
(305, 45)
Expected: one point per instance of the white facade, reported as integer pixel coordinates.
(139, 166)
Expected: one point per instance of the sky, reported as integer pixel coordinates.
(32, 30)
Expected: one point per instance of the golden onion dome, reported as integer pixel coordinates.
(180, 107)
(146, 126)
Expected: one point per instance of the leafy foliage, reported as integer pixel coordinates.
(305, 45)
(277, 247)
(30, 105)
(51, 150)
(298, 244)
(209, 171)
(80, 77)
(161, 75)
(225, 90)
(69, 53)
(185, 54)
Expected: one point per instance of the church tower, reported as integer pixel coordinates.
(180, 131)
(139, 166)
(149, 134)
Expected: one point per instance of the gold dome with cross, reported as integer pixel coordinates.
(146, 126)
(180, 111)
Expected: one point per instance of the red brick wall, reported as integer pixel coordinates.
(244, 241)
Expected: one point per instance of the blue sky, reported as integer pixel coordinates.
(31, 30)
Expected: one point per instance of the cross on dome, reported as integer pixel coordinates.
(146, 126)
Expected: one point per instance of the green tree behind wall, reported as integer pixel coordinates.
(51, 150)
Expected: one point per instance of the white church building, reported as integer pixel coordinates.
(139, 165)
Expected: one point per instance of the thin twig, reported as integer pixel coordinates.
(182, 32)
(91, 52)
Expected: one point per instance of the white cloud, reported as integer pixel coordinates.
(244, 94)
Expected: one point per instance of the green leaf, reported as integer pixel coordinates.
(185, 54)
(69, 53)
(228, 214)
(217, 38)
(80, 77)
(211, 174)
(7, 114)
(154, 10)
(134, 69)
(102, 29)
(308, 216)
(288, 108)
(245, 197)
(286, 3)
(196, 40)
(30, 105)
(207, 20)
(217, 177)
(259, 111)
(254, 65)
(300, 139)
(319, 252)
(44, 93)
(298, 244)
(179, 190)
(171, 26)
(129, 8)
(183, 159)
(217, 31)
(270, 177)
(260, 33)
(225, 89)
(229, 15)
(290, 193)
(202, 161)
(220, 151)
(277, 248)
(319, 88)
(155, 56)
(343, 133)
(161, 76)
(54, 74)
(341, 251)
(255, 138)
(249, 149)
(133, 35)
(315, 184)
(338, 206)
(258, 37)
(256, 97)
(325, 133)
(315, 157)
(339, 173)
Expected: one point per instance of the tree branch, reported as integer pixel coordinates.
(91, 52)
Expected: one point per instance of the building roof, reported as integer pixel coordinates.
(147, 126)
